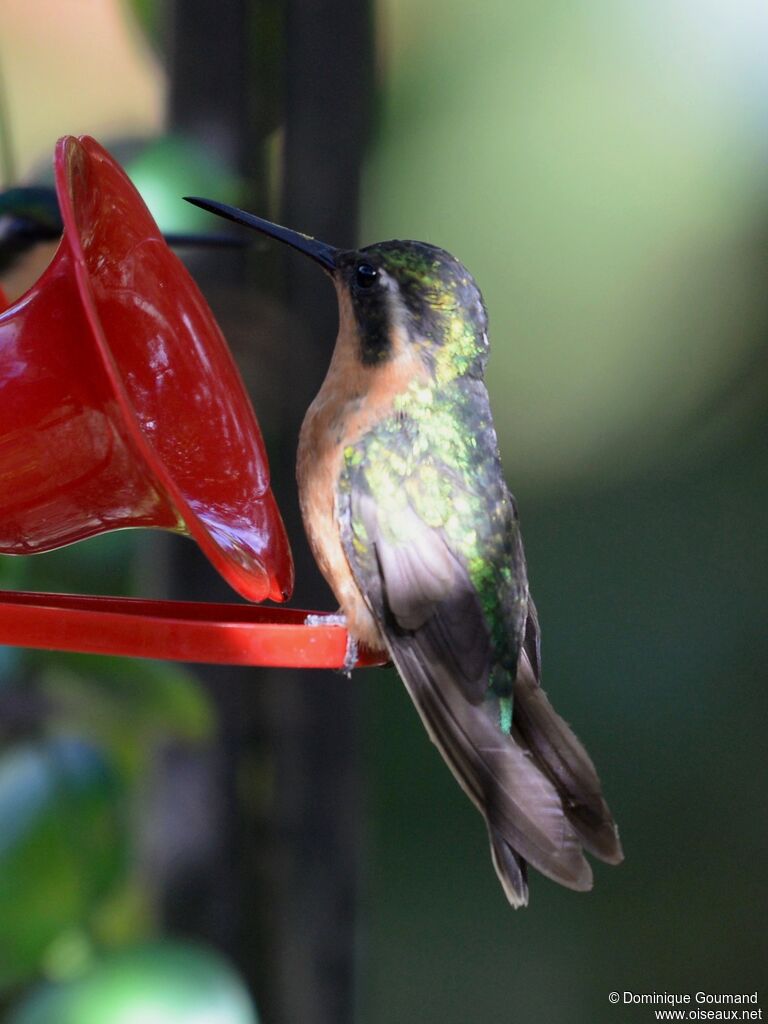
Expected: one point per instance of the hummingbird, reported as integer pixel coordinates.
(414, 528)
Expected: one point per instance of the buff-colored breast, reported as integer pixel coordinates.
(351, 401)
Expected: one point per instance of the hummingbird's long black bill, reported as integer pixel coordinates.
(324, 254)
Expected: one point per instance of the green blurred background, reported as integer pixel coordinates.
(601, 168)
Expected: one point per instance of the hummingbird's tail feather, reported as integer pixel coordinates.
(511, 869)
(566, 763)
(522, 807)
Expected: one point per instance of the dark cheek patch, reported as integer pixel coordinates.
(373, 324)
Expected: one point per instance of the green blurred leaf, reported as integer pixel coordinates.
(127, 703)
(101, 565)
(124, 917)
(62, 837)
(13, 572)
(161, 983)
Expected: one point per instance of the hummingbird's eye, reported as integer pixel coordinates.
(365, 275)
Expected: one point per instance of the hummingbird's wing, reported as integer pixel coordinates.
(415, 591)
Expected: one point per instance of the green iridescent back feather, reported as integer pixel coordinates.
(436, 456)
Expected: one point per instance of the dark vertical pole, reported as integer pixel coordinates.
(208, 98)
(327, 100)
(210, 834)
(282, 897)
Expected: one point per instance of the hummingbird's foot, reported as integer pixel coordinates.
(350, 657)
(352, 653)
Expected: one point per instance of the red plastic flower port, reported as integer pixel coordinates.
(120, 405)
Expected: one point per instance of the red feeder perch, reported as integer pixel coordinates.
(120, 405)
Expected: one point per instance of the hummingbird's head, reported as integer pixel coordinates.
(400, 298)
(416, 295)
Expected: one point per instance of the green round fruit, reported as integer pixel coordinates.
(158, 983)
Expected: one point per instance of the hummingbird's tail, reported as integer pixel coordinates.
(519, 797)
(563, 759)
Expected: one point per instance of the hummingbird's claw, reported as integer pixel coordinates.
(351, 656)
(352, 652)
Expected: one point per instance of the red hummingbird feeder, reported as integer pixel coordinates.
(121, 406)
